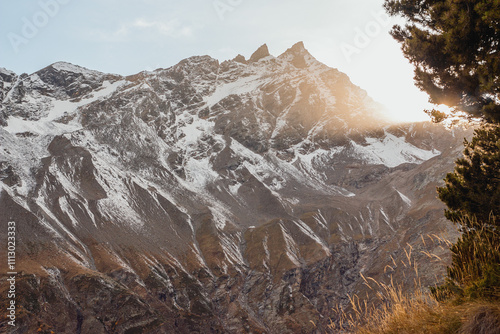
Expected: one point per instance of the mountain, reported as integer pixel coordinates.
(244, 196)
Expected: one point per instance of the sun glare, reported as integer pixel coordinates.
(406, 109)
(442, 108)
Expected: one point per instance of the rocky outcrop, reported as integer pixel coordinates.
(260, 53)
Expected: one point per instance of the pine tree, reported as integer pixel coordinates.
(473, 189)
(472, 195)
(454, 47)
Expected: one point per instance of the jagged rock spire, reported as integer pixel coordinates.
(296, 55)
(298, 47)
(240, 59)
(261, 52)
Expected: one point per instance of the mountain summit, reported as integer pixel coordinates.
(260, 53)
(213, 197)
(298, 56)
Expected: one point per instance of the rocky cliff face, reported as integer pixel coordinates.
(238, 197)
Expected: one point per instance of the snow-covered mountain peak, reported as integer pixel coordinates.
(292, 108)
(63, 66)
(209, 196)
(298, 56)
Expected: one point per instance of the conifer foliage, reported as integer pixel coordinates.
(472, 195)
(473, 190)
(454, 47)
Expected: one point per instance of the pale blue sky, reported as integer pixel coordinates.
(126, 37)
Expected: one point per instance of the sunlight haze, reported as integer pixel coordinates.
(127, 37)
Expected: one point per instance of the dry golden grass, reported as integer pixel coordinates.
(413, 309)
(419, 314)
(400, 312)
(410, 313)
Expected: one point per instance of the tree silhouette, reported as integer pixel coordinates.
(454, 47)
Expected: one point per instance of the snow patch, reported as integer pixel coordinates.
(239, 87)
(392, 151)
(48, 125)
(291, 248)
(68, 67)
(310, 233)
(234, 188)
(404, 198)
(199, 172)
